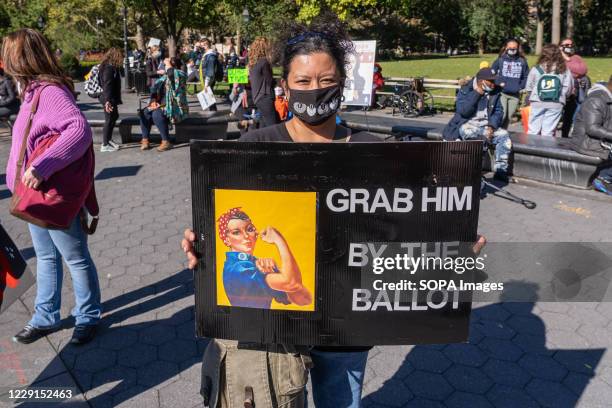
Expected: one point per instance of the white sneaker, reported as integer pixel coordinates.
(108, 148)
(115, 145)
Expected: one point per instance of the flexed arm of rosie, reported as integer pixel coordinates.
(289, 278)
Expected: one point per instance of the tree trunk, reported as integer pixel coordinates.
(140, 39)
(171, 40)
(481, 45)
(539, 33)
(556, 22)
(569, 30)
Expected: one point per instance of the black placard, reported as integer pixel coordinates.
(322, 168)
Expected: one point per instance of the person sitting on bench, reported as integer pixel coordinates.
(479, 115)
(9, 102)
(593, 132)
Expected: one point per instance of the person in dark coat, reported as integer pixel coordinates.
(9, 102)
(262, 81)
(152, 65)
(208, 68)
(593, 131)
(479, 115)
(110, 80)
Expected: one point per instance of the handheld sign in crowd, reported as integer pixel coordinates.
(292, 235)
(238, 76)
(360, 74)
(15, 276)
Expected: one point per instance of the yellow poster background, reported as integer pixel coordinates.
(294, 215)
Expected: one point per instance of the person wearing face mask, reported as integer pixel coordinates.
(314, 59)
(548, 84)
(512, 70)
(152, 66)
(578, 68)
(479, 115)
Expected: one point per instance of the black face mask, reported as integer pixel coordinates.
(315, 106)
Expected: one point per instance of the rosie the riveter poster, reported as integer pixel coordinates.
(289, 234)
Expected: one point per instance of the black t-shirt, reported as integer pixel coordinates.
(279, 133)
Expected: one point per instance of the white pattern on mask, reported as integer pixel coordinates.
(299, 107)
(322, 109)
(311, 110)
(333, 104)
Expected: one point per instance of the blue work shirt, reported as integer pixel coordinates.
(245, 285)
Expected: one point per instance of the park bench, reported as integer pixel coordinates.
(203, 126)
(550, 160)
(428, 84)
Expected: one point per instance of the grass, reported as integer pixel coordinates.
(457, 67)
(600, 69)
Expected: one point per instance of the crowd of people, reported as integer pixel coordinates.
(556, 88)
(313, 58)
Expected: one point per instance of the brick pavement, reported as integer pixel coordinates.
(519, 355)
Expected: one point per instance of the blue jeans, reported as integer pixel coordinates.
(501, 141)
(150, 117)
(71, 244)
(544, 121)
(337, 378)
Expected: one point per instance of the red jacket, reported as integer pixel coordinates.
(379, 80)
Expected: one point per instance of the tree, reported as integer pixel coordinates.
(312, 8)
(96, 25)
(569, 28)
(174, 16)
(492, 23)
(436, 15)
(556, 22)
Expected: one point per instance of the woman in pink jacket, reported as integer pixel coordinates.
(29, 60)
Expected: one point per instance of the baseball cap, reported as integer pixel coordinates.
(486, 74)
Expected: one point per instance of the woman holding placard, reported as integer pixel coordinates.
(314, 59)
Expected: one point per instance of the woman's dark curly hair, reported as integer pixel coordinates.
(326, 33)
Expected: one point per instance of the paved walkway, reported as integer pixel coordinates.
(146, 354)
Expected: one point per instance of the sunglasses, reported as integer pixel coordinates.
(567, 45)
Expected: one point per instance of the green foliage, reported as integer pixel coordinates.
(395, 24)
(436, 15)
(312, 8)
(70, 65)
(593, 23)
(493, 22)
(22, 13)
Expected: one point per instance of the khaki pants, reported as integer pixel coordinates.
(268, 376)
(509, 104)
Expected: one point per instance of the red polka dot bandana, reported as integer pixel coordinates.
(223, 220)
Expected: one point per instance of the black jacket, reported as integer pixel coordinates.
(8, 96)
(110, 80)
(151, 69)
(468, 101)
(593, 123)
